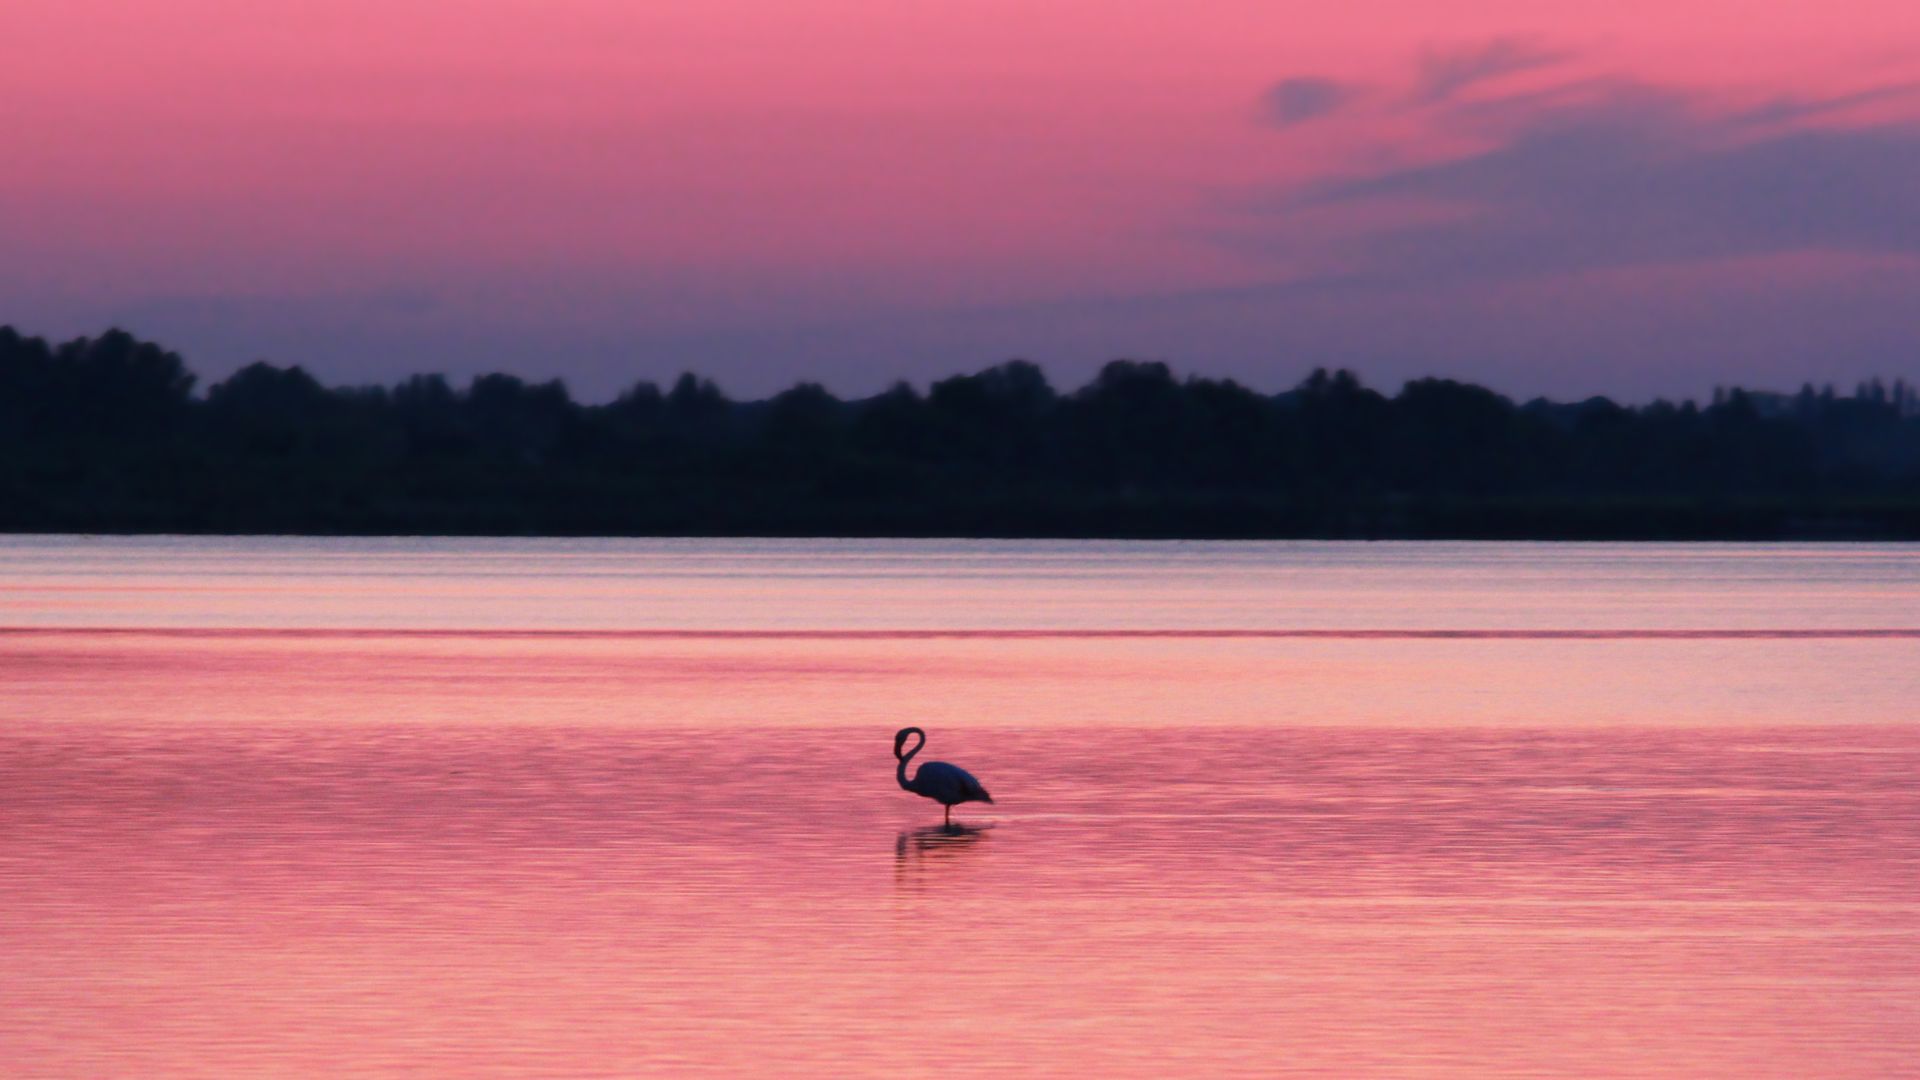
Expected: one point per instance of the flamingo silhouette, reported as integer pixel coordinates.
(945, 784)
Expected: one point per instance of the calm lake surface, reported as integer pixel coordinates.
(604, 807)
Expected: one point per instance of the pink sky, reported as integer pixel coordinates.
(1636, 200)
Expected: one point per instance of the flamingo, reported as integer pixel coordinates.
(945, 784)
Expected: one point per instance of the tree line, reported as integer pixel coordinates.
(107, 434)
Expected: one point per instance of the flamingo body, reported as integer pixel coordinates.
(948, 785)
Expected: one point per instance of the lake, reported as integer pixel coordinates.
(605, 807)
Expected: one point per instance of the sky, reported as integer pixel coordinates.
(1642, 198)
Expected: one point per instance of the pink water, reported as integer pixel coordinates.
(612, 807)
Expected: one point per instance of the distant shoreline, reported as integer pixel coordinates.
(1838, 531)
(1169, 519)
(106, 435)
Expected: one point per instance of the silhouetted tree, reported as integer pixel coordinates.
(105, 433)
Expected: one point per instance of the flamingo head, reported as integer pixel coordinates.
(900, 738)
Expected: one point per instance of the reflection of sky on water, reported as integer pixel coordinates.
(297, 853)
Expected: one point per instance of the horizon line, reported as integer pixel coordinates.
(912, 634)
(923, 385)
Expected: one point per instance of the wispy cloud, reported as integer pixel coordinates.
(1784, 110)
(1298, 100)
(1445, 72)
(1637, 175)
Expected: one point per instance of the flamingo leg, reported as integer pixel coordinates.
(949, 818)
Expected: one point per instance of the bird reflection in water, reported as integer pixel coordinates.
(937, 840)
(918, 849)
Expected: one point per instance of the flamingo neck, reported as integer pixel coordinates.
(901, 772)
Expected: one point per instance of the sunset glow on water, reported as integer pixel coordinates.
(611, 807)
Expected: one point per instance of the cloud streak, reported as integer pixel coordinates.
(1631, 175)
(1298, 100)
(1445, 73)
